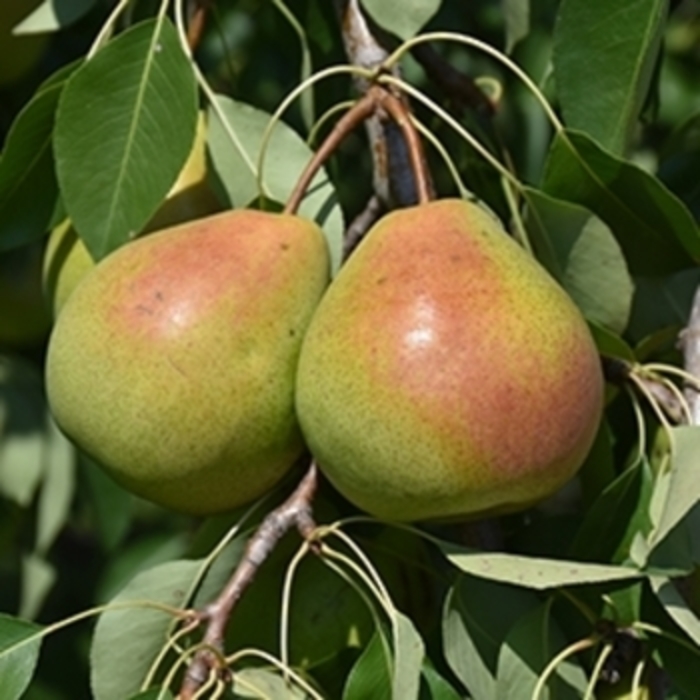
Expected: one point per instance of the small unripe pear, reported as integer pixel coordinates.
(67, 260)
(172, 364)
(445, 374)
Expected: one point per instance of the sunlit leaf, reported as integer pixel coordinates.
(405, 21)
(674, 604)
(124, 128)
(261, 683)
(656, 232)
(53, 15)
(533, 572)
(590, 37)
(235, 147)
(19, 653)
(408, 658)
(38, 577)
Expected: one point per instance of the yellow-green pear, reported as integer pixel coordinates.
(445, 374)
(172, 364)
(67, 260)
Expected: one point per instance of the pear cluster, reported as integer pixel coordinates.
(441, 374)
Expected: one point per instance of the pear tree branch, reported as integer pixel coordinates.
(295, 512)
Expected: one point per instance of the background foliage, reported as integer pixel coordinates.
(609, 200)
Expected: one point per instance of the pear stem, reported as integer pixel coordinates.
(296, 511)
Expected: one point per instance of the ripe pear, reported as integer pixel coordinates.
(445, 374)
(67, 260)
(172, 364)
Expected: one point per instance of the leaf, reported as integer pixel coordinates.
(674, 605)
(124, 128)
(533, 572)
(435, 686)
(27, 168)
(235, 145)
(19, 654)
(370, 677)
(590, 37)
(610, 344)
(656, 232)
(474, 628)
(516, 14)
(58, 486)
(529, 646)
(127, 640)
(261, 683)
(154, 694)
(584, 256)
(408, 658)
(38, 577)
(53, 15)
(404, 21)
(677, 488)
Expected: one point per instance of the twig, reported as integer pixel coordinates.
(296, 511)
(197, 22)
(361, 224)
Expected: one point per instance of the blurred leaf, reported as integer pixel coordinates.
(405, 21)
(38, 577)
(585, 258)
(610, 344)
(680, 163)
(517, 18)
(53, 15)
(124, 128)
(126, 641)
(22, 426)
(155, 694)
(532, 642)
(677, 488)
(234, 147)
(476, 620)
(672, 601)
(591, 37)
(58, 486)
(654, 229)
(532, 572)
(26, 168)
(261, 683)
(18, 655)
(370, 677)
(435, 687)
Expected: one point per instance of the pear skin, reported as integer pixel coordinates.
(445, 374)
(172, 364)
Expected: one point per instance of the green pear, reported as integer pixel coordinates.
(67, 260)
(445, 374)
(172, 364)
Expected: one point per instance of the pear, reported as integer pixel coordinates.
(172, 364)
(67, 260)
(445, 374)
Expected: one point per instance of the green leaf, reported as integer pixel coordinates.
(370, 677)
(28, 188)
(235, 145)
(676, 607)
(19, 653)
(404, 21)
(610, 344)
(533, 572)
(474, 628)
(124, 128)
(127, 640)
(38, 577)
(527, 649)
(261, 683)
(677, 488)
(516, 14)
(53, 15)
(604, 58)
(435, 687)
(155, 694)
(656, 232)
(584, 256)
(408, 658)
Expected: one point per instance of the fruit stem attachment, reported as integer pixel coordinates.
(296, 511)
(376, 99)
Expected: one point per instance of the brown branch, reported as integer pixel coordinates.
(296, 511)
(197, 22)
(361, 224)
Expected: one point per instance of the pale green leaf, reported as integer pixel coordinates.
(53, 15)
(370, 677)
(124, 128)
(405, 18)
(672, 601)
(19, 653)
(408, 658)
(517, 19)
(38, 577)
(235, 144)
(261, 683)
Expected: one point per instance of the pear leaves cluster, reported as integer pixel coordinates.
(443, 374)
